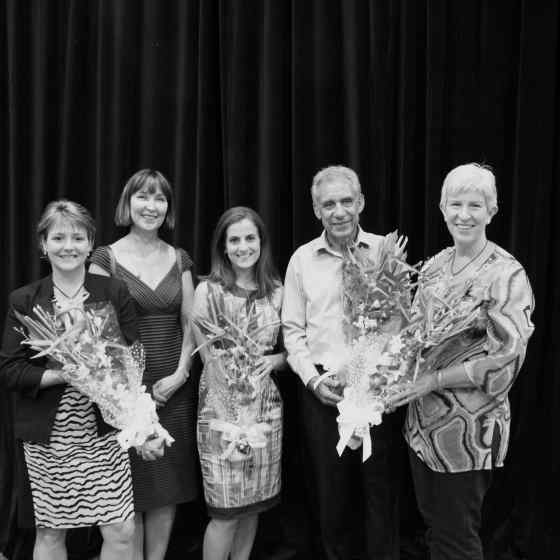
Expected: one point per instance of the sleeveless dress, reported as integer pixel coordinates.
(171, 479)
(238, 484)
(79, 478)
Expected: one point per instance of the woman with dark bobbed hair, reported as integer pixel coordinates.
(239, 483)
(158, 276)
(71, 471)
(457, 427)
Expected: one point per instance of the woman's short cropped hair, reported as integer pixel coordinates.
(471, 177)
(335, 173)
(266, 277)
(65, 210)
(151, 180)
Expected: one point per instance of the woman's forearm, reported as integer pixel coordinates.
(187, 347)
(452, 377)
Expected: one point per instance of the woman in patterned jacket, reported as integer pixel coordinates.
(457, 427)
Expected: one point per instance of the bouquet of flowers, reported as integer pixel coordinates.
(382, 349)
(87, 345)
(376, 289)
(445, 310)
(234, 345)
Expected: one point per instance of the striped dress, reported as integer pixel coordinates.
(171, 479)
(79, 478)
(239, 484)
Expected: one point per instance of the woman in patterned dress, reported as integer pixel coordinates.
(71, 471)
(457, 427)
(239, 481)
(159, 279)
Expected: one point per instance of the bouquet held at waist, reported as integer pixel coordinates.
(388, 333)
(234, 350)
(87, 345)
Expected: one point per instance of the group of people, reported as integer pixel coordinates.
(72, 473)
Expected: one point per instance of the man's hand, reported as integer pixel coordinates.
(324, 390)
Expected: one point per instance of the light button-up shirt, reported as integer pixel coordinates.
(312, 313)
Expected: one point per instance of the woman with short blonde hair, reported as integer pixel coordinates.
(457, 427)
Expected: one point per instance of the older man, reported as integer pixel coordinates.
(343, 491)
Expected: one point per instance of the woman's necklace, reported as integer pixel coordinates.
(467, 263)
(70, 297)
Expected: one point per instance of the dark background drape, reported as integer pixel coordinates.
(241, 102)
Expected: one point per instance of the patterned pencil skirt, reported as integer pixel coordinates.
(78, 478)
(241, 476)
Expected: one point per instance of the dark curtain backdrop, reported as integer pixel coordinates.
(241, 102)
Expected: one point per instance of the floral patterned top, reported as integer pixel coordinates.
(463, 429)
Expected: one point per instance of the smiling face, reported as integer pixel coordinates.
(67, 246)
(466, 214)
(243, 245)
(148, 208)
(338, 205)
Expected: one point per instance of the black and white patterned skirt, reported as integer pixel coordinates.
(79, 478)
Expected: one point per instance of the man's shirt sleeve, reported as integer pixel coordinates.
(294, 322)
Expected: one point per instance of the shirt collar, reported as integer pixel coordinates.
(321, 243)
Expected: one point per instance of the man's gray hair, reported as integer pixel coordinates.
(335, 173)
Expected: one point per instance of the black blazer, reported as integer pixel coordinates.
(35, 408)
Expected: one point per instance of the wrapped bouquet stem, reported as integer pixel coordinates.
(235, 342)
(93, 360)
(381, 349)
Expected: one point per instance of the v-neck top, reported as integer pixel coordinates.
(164, 298)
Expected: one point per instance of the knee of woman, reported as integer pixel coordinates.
(119, 532)
(50, 537)
(224, 525)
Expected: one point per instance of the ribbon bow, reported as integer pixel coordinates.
(354, 422)
(253, 435)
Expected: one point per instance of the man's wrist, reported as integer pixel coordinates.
(313, 383)
(308, 372)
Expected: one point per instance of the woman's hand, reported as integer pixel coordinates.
(51, 377)
(422, 387)
(151, 449)
(164, 389)
(400, 247)
(265, 366)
